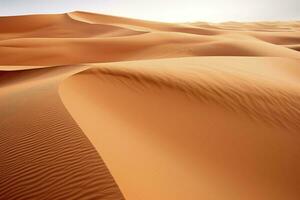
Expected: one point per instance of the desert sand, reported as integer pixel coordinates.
(103, 107)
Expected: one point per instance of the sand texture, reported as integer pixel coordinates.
(103, 107)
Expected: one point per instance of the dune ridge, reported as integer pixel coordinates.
(211, 114)
(94, 106)
(101, 38)
(44, 154)
(277, 107)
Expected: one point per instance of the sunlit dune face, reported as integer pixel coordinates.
(95, 106)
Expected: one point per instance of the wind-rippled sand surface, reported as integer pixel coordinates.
(101, 107)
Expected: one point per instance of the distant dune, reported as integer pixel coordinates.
(104, 107)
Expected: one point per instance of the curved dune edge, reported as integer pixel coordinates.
(193, 128)
(44, 154)
(218, 126)
(95, 38)
(57, 26)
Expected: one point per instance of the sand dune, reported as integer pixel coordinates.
(212, 124)
(44, 154)
(104, 107)
(294, 47)
(54, 51)
(56, 26)
(100, 38)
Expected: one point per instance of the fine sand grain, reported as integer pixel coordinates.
(103, 107)
(194, 128)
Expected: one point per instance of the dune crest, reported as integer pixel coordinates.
(93, 38)
(208, 125)
(44, 154)
(102, 107)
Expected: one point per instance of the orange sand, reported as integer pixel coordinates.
(103, 107)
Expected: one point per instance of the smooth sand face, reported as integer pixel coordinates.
(163, 138)
(49, 39)
(166, 111)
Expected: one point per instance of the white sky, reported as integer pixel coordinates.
(164, 10)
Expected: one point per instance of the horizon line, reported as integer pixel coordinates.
(158, 21)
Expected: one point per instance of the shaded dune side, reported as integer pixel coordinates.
(279, 38)
(55, 51)
(295, 47)
(274, 32)
(48, 40)
(28, 22)
(57, 26)
(44, 154)
(274, 105)
(94, 18)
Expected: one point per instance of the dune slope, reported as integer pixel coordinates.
(44, 154)
(80, 37)
(194, 128)
(102, 107)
